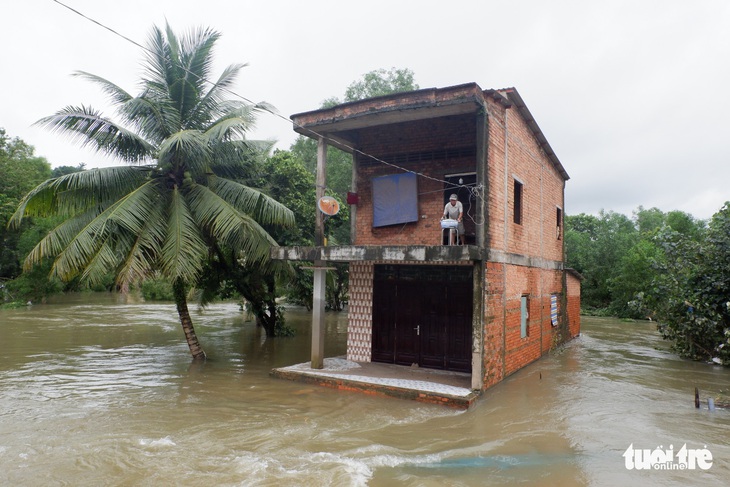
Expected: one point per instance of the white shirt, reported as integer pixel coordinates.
(453, 211)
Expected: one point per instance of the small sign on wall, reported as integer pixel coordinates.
(554, 309)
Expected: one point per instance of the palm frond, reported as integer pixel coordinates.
(155, 118)
(183, 250)
(188, 148)
(213, 103)
(88, 127)
(233, 124)
(134, 210)
(259, 206)
(77, 192)
(35, 203)
(238, 159)
(85, 244)
(58, 239)
(105, 260)
(191, 62)
(141, 257)
(117, 95)
(157, 65)
(225, 223)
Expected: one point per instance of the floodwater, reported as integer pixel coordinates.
(99, 390)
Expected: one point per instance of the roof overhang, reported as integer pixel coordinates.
(339, 124)
(336, 122)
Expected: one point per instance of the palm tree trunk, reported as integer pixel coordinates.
(181, 302)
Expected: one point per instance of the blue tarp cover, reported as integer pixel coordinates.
(395, 199)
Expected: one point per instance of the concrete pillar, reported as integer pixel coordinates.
(482, 216)
(477, 337)
(318, 295)
(318, 316)
(482, 213)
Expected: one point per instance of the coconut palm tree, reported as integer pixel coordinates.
(177, 201)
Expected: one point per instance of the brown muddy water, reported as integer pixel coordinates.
(98, 390)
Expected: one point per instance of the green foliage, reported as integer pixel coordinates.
(181, 197)
(692, 291)
(34, 285)
(618, 257)
(300, 289)
(285, 178)
(339, 163)
(337, 286)
(595, 247)
(668, 267)
(381, 82)
(157, 289)
(63, 170)
(301, 162)
(20, 171)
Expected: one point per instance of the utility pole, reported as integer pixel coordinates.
(318, 296)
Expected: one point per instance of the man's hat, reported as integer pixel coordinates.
(453, 197)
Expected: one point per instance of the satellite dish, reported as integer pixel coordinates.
(328, 205)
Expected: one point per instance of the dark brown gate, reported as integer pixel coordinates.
(422, 315)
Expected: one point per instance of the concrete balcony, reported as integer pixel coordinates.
(397, 253)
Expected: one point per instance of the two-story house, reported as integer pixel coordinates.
(488, 306)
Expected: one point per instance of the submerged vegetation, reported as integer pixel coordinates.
(667, 267)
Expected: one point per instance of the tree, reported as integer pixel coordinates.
(285, 179)
(171, 215)
(381, 82)
(691, 290)
(339, 164)
(21, 170)
(595, 247)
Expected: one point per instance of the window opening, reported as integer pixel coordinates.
(524, 316)
(518, 202)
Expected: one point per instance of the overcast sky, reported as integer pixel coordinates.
(633, 96)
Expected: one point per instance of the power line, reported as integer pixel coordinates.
(263, 107)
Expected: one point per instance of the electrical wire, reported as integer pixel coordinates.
(264, 107)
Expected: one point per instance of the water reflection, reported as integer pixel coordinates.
(99, 390)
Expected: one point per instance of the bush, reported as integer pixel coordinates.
(157, 289)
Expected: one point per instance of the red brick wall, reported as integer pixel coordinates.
(542, 188)
(505, 350)
(413, 137)
(493, 332)
(573, 285)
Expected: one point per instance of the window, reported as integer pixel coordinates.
(518, 202)
(559, 223)
(395, 199)
(524, 315)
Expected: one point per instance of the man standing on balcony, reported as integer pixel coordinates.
(454, 210)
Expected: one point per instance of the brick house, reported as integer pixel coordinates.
(488, 307)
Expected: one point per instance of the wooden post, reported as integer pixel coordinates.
(697, 398)
(319, 293)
